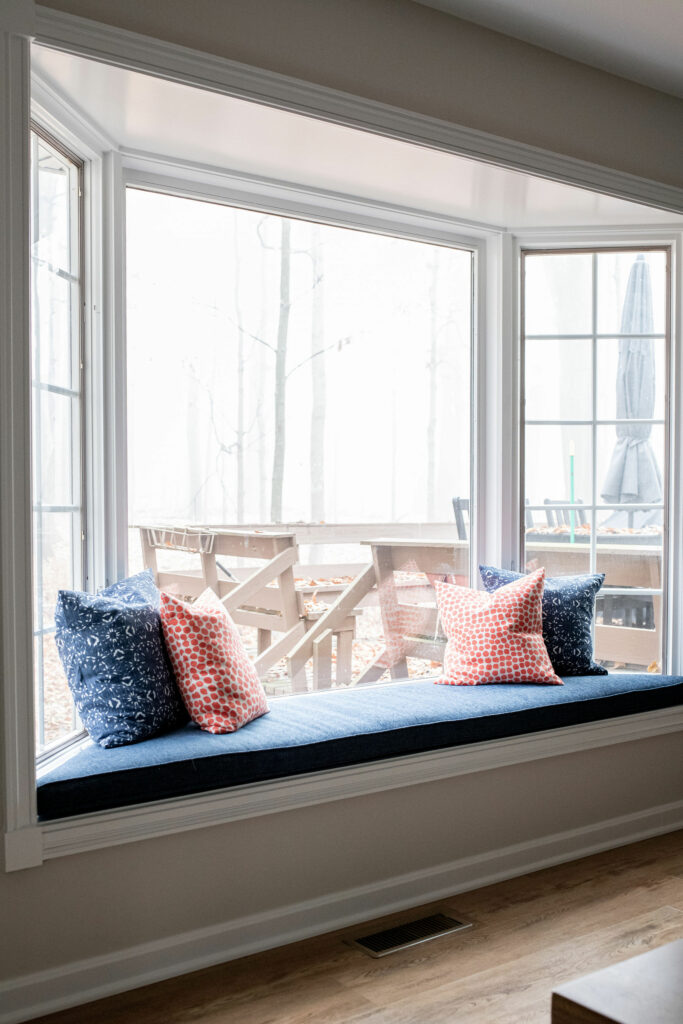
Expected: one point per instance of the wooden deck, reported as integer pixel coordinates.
(306, 615)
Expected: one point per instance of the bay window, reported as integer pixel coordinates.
(281, 359)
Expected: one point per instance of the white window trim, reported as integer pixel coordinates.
(27, 842)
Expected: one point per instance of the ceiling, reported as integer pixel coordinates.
(141, 113)
(637, 39)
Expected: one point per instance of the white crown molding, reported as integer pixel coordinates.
(178, 63)
(111, 828)
(271, 195)
(82, 981)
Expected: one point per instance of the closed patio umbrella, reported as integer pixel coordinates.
(633, 475)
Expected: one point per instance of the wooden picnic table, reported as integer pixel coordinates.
(625, 566)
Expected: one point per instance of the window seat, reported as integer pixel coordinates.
(337, 728)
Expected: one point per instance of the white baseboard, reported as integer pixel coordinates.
(33, 995)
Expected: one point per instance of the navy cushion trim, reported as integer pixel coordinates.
(189, 761)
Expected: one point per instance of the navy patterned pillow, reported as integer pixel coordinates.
(113, 653)
(568, 609)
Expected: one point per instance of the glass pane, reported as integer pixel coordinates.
(51, 244)
(56, 560)
(52, 234)
(631, 378)
(56, 436)
(558, 540)
(630, 460)
(557, 294)
(305, 375)
(55, 332)
(558, 380)
(635, 308)
(558, 465)
(58, 708)
(628, 556)
(57, 480)
(632, 633)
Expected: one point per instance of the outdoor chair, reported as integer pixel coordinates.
(562, 516)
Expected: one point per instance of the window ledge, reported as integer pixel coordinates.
(30, 846)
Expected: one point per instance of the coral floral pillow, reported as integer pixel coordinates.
(495, 638)
(216, 679)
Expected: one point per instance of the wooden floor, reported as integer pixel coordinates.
(531, 934)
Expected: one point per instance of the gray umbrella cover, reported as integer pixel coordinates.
(633, 474)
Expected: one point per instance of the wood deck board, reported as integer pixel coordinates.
(531, 935)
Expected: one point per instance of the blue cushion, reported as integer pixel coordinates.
(113, 653)
(568, 610)
(335, 728)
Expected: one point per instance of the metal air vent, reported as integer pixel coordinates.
(409, 934)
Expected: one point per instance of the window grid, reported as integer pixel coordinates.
(42, 511)
(595, 337)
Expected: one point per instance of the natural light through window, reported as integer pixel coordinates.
(595, 348)
(58, 514)
(294, 378)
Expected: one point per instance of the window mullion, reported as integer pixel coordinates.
(594, 417)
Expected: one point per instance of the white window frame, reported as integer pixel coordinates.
(58, 121)
(672, 240)
(186, 181)
(27, 842)
(41, 134)
(594, 507)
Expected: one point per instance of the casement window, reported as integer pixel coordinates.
(596, 358)
(59, 522)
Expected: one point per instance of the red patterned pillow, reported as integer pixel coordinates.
(495, 638)
(216, 679)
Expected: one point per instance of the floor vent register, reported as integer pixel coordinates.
(412, 933)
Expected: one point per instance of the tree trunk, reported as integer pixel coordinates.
(318, 383)
(281, 376)
(432, 391)
(239, 439)
(263, 375)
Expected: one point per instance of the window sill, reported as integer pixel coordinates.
(29, 847)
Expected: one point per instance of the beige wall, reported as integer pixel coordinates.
(90, 904)
(401, 53)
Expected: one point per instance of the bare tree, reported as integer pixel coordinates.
(239, 430)
(281, 374)
(432, 386)
(316, 355)
(318, 381)
(261, 375)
